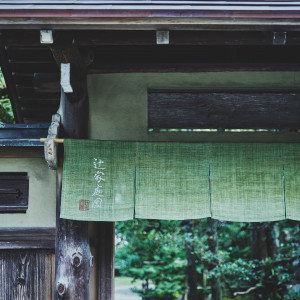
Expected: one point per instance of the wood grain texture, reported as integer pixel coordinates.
(30, 39)
(73, 256)
(224, 110)
(106, 253)
(71, 236)
(132, 23)
(27, 238)
(180, 37)
(193, 58)
(26, 274)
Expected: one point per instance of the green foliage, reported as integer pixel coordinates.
(156, 253)
(6, 112)
(160, 261)
(292, 295)
(2, 81)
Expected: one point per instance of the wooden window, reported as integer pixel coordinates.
(14, 189)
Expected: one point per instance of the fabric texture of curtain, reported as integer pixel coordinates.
(247, 182)
(291, 161)
(172, 181)
(98, 180)
(115, 181)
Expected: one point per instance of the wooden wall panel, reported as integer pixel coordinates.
(26, 274)
(224, 110)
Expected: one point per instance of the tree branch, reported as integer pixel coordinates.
(246, 292)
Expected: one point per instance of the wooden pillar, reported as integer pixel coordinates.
(102, 241)
(106, 256)
(73, 256)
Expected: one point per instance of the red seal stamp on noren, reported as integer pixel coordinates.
(84, 204)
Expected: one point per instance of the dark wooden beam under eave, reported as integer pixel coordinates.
(193, 58)
(191, 67)
(181, 37)
(28, 40)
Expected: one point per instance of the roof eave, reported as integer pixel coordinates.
(146, 22)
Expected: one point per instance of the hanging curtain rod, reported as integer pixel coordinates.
(59, 141)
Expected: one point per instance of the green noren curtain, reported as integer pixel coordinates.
(247, 182)
(291, 160)
(172, 181)
(114, 180)
(98, 180)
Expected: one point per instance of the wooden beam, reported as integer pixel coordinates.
(23, 131)
(181, 37)
(167, 23)
(32, 66)
(224, 110)
(186, 58)
(73, 255)
(106, 254)
(35, 102)
(21, 152)
(40, 97)
(26, 91)
(47, 82)
(43, 113)
(23, 53)
(29, 40)
(108, 68)
(27, 238)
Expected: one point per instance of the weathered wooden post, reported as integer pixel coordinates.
(73, 257)
(106, 254)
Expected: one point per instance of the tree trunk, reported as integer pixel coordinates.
(264, 243)
(258, 242)
(191, 267)
(213, 247)
(272, 242)
(259, 249)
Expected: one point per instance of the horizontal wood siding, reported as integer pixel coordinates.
(22, 152)
(222, 110)
(27, 238)
(26, 274)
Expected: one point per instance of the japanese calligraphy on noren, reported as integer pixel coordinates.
(99, 178)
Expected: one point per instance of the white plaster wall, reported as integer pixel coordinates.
(118, 102)
(42, 193)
